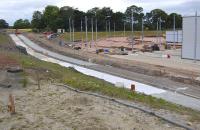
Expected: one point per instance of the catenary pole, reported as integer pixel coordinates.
(124, 29)
(195, 39)
(70, 35)
(142, 31)
(92, 32)
(86, 32)
(175, 31)
(132, 29)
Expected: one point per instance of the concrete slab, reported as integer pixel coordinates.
(180, 99)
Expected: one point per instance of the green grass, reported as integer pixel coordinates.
(83, 82)
(3, 39)
(20, 30)
(79, 35)
(24, 81)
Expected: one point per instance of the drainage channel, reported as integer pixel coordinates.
(141, 88)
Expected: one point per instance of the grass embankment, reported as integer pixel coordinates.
(83, 82)
(3, 39)
(19, 30)
(78, 35)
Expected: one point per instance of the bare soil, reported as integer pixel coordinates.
(57, 108)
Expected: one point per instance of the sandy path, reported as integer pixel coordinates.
(57, 108)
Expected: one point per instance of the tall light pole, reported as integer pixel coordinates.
(82, 32)
(86, 33)
(124, 28)
(142, 31)
(106, 29)
(157, 32)
(109, 28)
(114, 29)
(96, 28)
(160, 34)
(92, 32)
(108, 17)
(175, 30)
(70, 35)
(73, 30)
(132, 29)
(195, 39)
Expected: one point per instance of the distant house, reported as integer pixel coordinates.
(60, 30)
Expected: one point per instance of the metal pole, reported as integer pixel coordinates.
(114, 29)
(157, 33)
(142, 31)
(106, 29)
(177, 38)
(124, 29)
(86, 33)
(81, 30)
(92, 31)
(109, 28)
(132, 30)
(195, 39)
(81, 26)
(96, 32)
(174, 30)
(70, 36)
(73, 29)
(160, 33)
(73, 34)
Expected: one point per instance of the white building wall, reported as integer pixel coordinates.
(170, 35)
(188, 48)
(198, 38)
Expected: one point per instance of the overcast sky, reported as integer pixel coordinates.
(11, 10)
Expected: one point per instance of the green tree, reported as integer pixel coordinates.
(103, 15)
(156, 14)
(170, 21)
(3, 24)
(38, 21)
(22, 24)
(148, 21)
(53, 18)
(78, 16)
(50, 16)
(137, 15)
(95, 13)
(118, 19)
(65, 13)
(137, 11)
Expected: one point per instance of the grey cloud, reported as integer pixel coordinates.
(186, 8)
(11, 10)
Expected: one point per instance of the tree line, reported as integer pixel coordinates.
(3, 24)
(53, 18)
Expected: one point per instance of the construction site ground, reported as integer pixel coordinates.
(174, 74)
(55, 107)
(160, 58)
